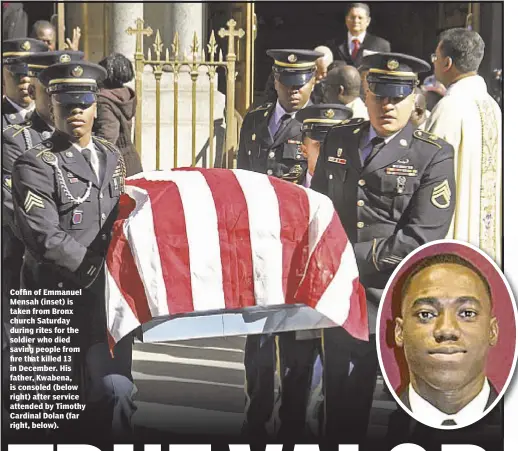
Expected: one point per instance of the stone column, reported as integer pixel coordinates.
(124, 16)
(186, 19)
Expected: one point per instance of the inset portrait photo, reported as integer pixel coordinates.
(446, 334)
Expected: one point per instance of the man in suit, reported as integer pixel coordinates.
(17, 103)
(446, 328)
(394, 189)
(270, 142)
(359, 41)
(66, 192)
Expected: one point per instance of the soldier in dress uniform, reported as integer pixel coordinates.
(393, 187)
(66, 192)
(270, 143)
(17, 103)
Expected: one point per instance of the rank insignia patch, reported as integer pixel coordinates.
(32, 200)
(441, 195)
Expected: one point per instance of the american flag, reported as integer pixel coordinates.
(197, 240)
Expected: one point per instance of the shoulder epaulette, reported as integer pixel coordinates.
(42, 147)
(262, 107)
(106, 143)
(17, 128)
(429, 138)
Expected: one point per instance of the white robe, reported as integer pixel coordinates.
(471, 121)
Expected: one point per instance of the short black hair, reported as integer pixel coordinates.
(363, 6)
(119, 69)
(348, 77)
(465, 47)
(438, 259)
(40, 25)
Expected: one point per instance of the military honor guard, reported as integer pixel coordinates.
(17, 103)
(393, 187)
(66, 192)
(270, 143)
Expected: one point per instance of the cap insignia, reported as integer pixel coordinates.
(26, 46)
(292, 58)
(392, 64)
(329, 113)
(77, 71)
(65, 58)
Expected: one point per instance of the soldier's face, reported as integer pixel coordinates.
(294, 98)
(16, 87)
(74, 120)
(357, 21)
(446, 328)
(310, 149)
(39, 94)
(389, 115)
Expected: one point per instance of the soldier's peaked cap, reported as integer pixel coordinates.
(317, 120)
(393, 74)
(75, 76)
(37, 62)
(294, 67)
(13, 48)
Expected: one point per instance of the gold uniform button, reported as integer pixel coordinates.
(330, 176)
(104, 236)
(360, 225)
(360, 203)
(269, 172)
(271, 155)
(101, 195)
(361, 182)
(60, 285)
(103, 216)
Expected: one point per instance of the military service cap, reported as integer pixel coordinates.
(13, 48)
(37, 62)
(393, 74)
(317, 120)
(294, 67)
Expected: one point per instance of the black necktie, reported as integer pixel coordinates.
(87, 153)
(449, 422)
(375, 144)
(282, 125)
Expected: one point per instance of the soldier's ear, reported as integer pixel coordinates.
(32, 92)
(95, 110)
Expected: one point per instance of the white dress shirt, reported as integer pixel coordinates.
(359, 109)
(430, 415)
(98, 159)
(22, 111)
(351, 38)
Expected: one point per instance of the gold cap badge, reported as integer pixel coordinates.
(77, 71)
(292, 58)
(393, 64)
(65, 58)
(26, 46)
(329, 113)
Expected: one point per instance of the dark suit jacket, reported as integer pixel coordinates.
(486, 433)
(371, 42)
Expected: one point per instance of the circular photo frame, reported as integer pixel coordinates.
(446, 334)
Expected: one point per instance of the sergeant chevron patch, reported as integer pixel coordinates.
(32, 200)
(441, 195)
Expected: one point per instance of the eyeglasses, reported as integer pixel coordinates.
(433, 58)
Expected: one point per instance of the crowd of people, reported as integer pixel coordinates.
(404, 164)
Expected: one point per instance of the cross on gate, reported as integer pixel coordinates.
(140, 31)
(231, 33)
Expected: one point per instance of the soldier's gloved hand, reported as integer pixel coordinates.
(295, 175)
(279, 170)
(89, 269)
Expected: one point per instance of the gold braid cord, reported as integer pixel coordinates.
(488, 182)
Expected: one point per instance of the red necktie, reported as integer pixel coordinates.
(356, 48)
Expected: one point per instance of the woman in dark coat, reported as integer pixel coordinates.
(116, 105)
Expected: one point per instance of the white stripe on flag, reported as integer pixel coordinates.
(139, 230)
(201, 221)
(121, 319)
(265, 236)
(335, 302)
(321, 212)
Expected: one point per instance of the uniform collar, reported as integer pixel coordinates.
(90, 146)
(22, 111)
(434, 417)
(372, 134)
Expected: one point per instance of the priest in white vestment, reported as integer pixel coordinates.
(471, 121)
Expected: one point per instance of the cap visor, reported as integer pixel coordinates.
(294, 78)
(75, 98)
(18, 69)
(391, 89)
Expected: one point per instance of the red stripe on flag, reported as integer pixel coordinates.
(122, 267)
(357, 323)
(234, 237)
(294, 219)
(323, 264)
(173, 247)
